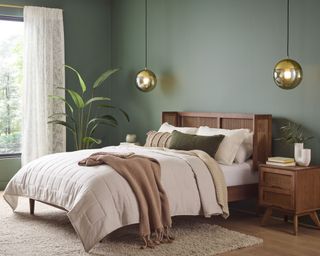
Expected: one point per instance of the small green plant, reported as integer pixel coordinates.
(80, 119)
(293, 133)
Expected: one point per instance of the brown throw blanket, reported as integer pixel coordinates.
(143, 175)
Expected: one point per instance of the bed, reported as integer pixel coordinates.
(261, 125)
(98, 200)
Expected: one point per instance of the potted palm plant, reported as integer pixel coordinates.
(79, 117)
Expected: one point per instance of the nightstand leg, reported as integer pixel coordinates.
(295, 224)
(285, 218)
(315, 219)
(266, 216)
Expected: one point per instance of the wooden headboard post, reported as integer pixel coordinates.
(261, 125)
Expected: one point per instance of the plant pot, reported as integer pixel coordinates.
(131, 138)
(305, 158)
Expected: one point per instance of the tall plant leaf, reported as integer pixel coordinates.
(68, 126)
(63, 99)
(62, 114)
(93, 129)
(104, 76)
(57, 115)
(82, 83)
(107, 120)
(120, 109)
(77, 99)
(96, 99)
(125, 114)
(90, 140)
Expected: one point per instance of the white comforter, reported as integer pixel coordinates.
(99, 200)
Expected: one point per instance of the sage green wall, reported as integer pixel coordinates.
(216, 55)
(87, 48)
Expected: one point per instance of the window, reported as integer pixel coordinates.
(11, 60)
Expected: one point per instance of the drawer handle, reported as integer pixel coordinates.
(276, 187)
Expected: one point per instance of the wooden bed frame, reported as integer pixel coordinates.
(261, 125)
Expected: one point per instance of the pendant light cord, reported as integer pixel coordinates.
(146, 34)
(288, 28)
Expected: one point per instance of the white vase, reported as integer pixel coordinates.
(297, 151)
(305, 158)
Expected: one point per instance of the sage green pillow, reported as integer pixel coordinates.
(183, 141)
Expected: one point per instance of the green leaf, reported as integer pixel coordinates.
(121, 110)
(82, 83)
(77, 99)
(62, 114)
(68, 126)
(57, 115)
(110, 118)
(93, 129)
(96, 99)
(125, 114)
(63, 99)
(104, 76)
(106, 120)
(90, 140)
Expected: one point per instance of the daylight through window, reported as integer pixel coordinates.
(11, 60)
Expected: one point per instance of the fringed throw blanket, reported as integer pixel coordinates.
(143, 175)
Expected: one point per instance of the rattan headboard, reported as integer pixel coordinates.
(261, 125)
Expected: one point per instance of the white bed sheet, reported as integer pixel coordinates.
(240, 174)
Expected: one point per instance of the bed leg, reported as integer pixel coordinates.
(31, 204)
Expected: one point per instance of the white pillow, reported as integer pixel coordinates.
(165, 127)
(245, 150)
(229, 146)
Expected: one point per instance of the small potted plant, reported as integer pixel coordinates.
(293, 134)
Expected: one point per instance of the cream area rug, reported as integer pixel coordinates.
(49, 232)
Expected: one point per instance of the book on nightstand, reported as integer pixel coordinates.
(281, 161)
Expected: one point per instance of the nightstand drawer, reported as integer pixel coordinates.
(276, 198)
(275, 179)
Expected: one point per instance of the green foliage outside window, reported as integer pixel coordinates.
(11, 50)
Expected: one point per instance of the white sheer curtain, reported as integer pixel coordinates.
(43, 72)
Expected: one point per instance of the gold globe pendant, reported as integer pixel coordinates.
(287, 74)
(146, 80)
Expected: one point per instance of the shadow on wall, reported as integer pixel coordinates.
(168, 82)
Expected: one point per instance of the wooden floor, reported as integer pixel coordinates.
(277, 236)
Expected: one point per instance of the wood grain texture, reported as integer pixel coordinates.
(242, 192)
(261, 125)
(277, 237)
(294, 190)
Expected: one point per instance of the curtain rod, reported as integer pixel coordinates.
(12, 6)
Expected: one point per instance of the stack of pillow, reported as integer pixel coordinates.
(226, 146)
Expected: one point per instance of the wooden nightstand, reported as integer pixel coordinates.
(293, 190)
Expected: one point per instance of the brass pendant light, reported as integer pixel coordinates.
(146, 80)
(287, 73)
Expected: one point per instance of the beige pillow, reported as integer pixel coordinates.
(230, 144)
(245, 150)
(158, 139)
(165, 127)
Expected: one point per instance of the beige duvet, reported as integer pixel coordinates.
(99, 200)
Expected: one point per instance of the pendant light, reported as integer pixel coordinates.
(146, 80)
(287, 73)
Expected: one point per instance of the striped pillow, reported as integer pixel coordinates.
(158, 139)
